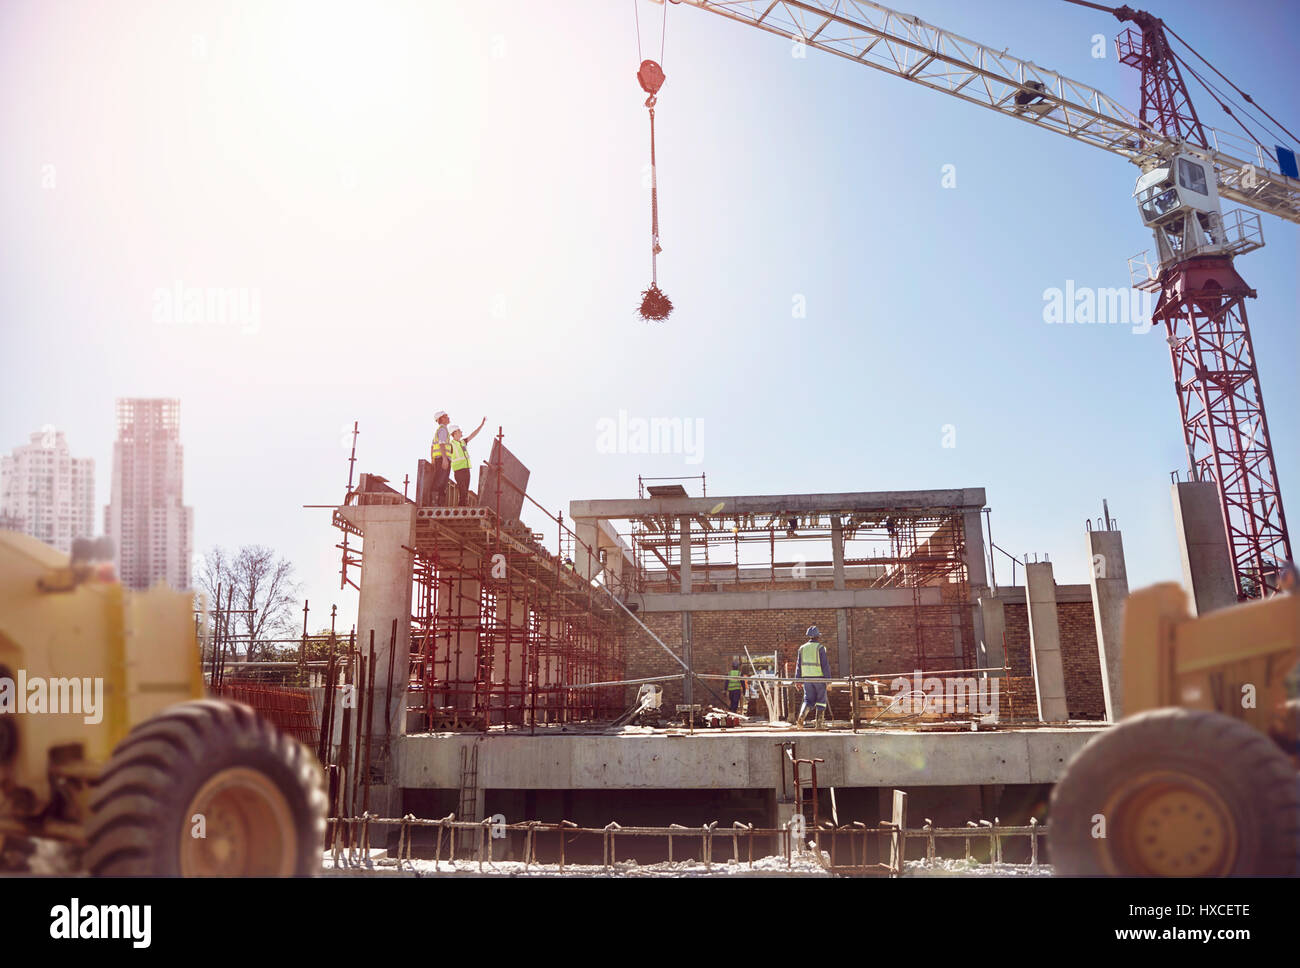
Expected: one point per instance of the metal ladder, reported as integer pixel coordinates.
(465, 810)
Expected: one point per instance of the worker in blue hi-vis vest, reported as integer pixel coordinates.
(810, 663)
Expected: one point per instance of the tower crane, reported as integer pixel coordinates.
(1187, 169)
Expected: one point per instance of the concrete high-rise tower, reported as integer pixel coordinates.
(46, 492)
(152, 530)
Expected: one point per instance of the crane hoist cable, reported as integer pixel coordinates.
(655, 305)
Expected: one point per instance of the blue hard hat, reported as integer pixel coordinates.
(812, 632)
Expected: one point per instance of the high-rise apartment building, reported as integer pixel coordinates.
(46, 492)
(152, 530)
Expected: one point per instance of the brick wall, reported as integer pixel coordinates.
(883, 643)
(1083, 695)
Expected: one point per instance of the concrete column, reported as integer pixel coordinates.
(1203, 541)
(837, 553)
(684, 543)
(508, 659)
(993, 619)
(585, 564)
(1109, 591)
(1045, 642)
(688, 687)
(842, 640)
(386, 595)
(976, 572)
(463, 643)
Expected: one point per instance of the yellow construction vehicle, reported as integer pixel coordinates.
(107, 744)
(1199, 778)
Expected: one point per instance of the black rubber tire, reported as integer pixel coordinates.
(1253, 779)
(140, 803)
(15, 854)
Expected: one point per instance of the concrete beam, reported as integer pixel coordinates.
(1203, 543)
(1045, 643)
(1015, 594)
(1109, 592)
(971, 498)
(792, 598)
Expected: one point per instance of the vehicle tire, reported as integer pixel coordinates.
(15, 854)
(1177, 792)
(207, 788)
(1285, 727)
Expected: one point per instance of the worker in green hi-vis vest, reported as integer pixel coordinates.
(811, 663)
(735, 685)
(460, 462)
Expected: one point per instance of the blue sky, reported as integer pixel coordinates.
(441, 206)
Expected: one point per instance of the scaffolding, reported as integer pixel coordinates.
(919, 549)
(502, 629)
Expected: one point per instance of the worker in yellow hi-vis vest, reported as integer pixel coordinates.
(811, 663)
(440, 456)
(460, 462)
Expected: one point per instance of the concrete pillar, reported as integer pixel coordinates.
(584, 563)
(1203, 541)
(976, 572)
(1045, 642)
(1109, 591)
(684, 543)
(842, 640)
(837, 554)
(508, 658)
(991, 652)
(385, 595)
(464, 609)
(688, 687)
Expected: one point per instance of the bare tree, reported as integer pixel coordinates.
(264, 593)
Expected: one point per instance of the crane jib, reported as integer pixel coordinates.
(905, 46)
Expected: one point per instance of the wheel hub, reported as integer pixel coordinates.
(247, 825)
(1170, 824)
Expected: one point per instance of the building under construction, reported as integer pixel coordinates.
(577, 677)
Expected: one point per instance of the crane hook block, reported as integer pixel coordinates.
(651, 77)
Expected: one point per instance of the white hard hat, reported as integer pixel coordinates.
(453, 428)
(439, 415)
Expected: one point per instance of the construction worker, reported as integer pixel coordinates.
(460, 461)
(750, 699)
(440, 456)
(811, 663)
(735, 685)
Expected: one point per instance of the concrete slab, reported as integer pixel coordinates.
(742, 759)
